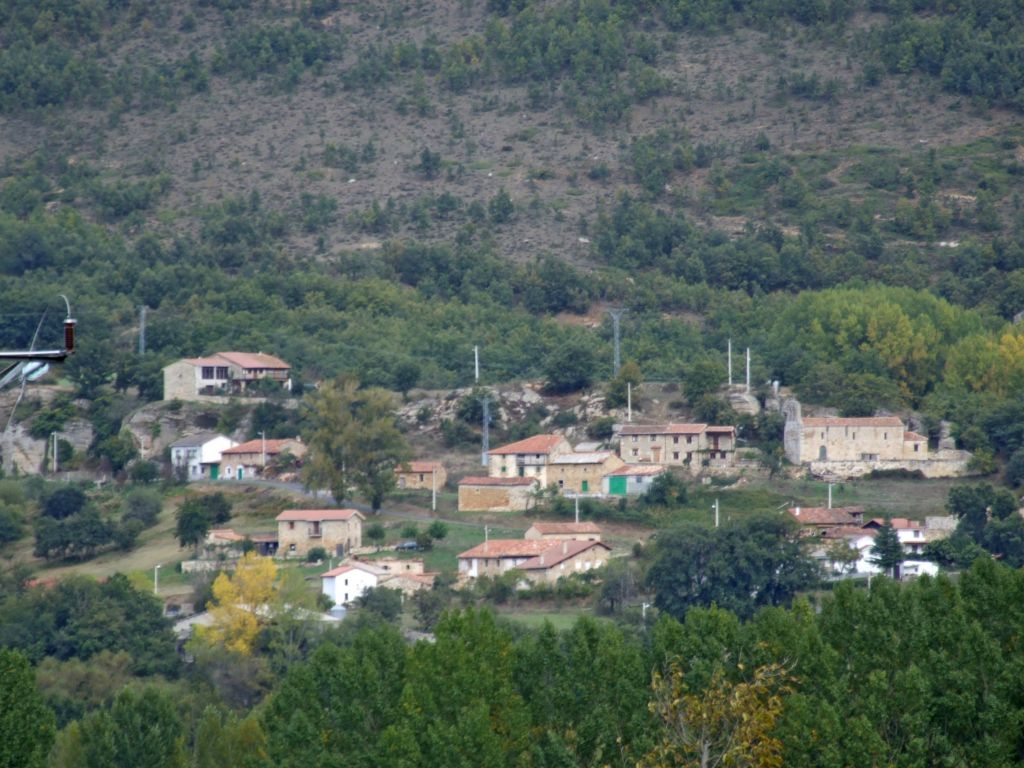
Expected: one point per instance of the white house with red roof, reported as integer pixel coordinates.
(912, 534)
(197, 457)
(338, 531)
(350, 581)
(223, 373)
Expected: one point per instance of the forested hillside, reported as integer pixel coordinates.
(377, 187)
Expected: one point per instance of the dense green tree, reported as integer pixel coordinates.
(193, 523)
(385, 602)
(741, 566)
(570, 366)
(887, 550)
(26, 724)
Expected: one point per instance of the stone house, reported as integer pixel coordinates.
(421, 475)
(222, 373)
(678, 445)
(631, 480)
(849, 447)
(336, 530)
(495, 557)
(527, 458)
(197, 457)
(544, 531)
(250, 459)
(496, 494)
(581, 472)
(564, 559)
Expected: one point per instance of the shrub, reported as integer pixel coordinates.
(316, 554)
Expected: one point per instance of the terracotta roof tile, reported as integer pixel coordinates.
(914, 437)
(253, 360)
(663, 429)
(836, 421)
(535, 444)
(257, 446)
(558, 553)
(508, 548)
(353, 566)
(825, 516)
(554, 528)
(317, 515)
(594, 457)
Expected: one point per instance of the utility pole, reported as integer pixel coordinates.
(577, 509)
(748, 370)
(263, 449)
(729, 355)
(142, 329)
(830, 495)
(433, 490)
(156, 579)
(715, 507)
(616, 316)
(476, 364)
(629, 401)
(53, 437)
(486, 442)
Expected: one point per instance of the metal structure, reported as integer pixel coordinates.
(29, 365)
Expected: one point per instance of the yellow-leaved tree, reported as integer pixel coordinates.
(724, 726)
(241, 603)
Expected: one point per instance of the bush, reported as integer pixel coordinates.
(316, 554)
(144, 472)
(64, 502)
(143, 505)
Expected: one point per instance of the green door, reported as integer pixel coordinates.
(617, 486)
(586, 486)
(214, 471)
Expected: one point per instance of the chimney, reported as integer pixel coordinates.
(797, 512)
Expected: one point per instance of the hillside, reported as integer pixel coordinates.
(375, 188)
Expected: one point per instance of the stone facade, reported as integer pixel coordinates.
(851, 447)
(495, 494)
(581, 472)
(421, 475)
(336, 530)
(527, 458)
(677, 445)
(543, 531)
(222, 373)
(565, 559)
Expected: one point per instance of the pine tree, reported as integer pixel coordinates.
(887, 551)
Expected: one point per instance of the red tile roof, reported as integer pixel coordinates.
(257, 446)
(913, 437)
(253, 360)
(535, 444)
(899, 523)
(318, 515)
(421, 466)
(825, 516)
(204, 361)
(555, 528)
(663, 429)
(512, 481)
(836, 421)
(353, 566)
(509, 548)
(559, 553)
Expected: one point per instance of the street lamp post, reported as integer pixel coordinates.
(156, 579)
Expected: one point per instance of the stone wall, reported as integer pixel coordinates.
(941, 464)
(490, 498)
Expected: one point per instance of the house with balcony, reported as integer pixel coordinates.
(223, 374)
(527, 458)
(678, 445)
